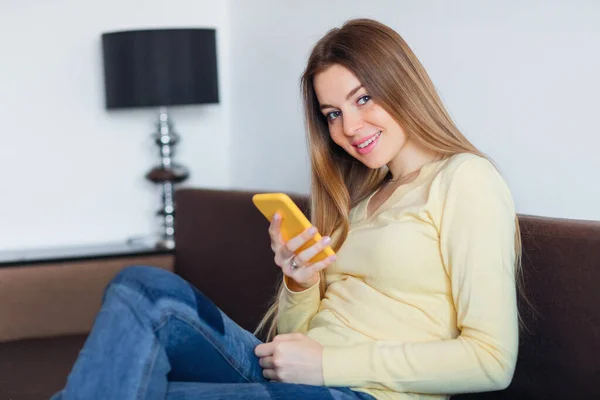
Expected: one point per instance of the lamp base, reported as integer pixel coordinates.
(163, 243)
(167, 174)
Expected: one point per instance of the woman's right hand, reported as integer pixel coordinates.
(305, 274)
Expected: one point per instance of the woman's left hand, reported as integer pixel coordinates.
(292, 358)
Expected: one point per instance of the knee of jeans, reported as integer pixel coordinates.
(152, 281)
(139, 274)
(155, 283)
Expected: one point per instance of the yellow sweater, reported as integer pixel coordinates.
(421, 302)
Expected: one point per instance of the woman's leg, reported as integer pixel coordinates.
(153, 328)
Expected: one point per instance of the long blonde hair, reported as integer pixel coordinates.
(396, 80)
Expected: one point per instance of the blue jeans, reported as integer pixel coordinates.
(158, 337)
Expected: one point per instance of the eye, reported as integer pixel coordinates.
(363, 99)
(332, 115)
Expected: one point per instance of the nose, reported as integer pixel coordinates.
(353, 122)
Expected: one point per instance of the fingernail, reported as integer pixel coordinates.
(333, 258)
(276, 216)
(312, 230)
(326, 239)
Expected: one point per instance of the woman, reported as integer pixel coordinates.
(420, 300)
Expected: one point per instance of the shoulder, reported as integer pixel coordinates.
(466, 168)
(471, 177)
(465, 165)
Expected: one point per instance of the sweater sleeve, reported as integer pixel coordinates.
(296, 309)
(476, 226)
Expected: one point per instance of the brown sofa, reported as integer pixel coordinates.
(223, 249)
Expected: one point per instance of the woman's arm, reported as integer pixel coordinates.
(300, 298)
(477, 230)
(297, 307)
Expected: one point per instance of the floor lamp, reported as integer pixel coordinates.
(161, 68)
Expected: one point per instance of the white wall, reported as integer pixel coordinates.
(73, 173)
(521, 78)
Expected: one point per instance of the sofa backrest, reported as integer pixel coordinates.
(559, 357)
(223, 248)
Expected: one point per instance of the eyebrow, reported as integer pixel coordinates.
(352, 92)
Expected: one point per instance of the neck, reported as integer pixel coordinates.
(411, 158)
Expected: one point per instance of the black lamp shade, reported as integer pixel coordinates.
(160, 67)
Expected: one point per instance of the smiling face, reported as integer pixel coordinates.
(356, 122)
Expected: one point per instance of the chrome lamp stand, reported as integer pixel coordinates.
(167, 174)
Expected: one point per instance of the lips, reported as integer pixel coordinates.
(368, 145)
(361, 141)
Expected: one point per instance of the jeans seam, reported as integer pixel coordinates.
(145, 378)
(198, 328)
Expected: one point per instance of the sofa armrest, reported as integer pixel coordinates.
(59, 298)
(223, 249)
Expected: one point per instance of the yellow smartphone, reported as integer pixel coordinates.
(293, 220)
